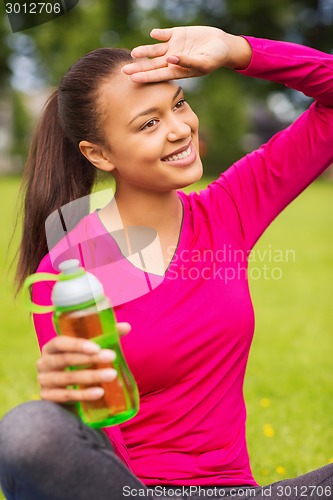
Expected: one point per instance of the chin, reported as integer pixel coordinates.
(192, 177)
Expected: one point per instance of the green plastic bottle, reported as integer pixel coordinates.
(80, 309)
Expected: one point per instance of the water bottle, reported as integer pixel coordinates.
(80, 309)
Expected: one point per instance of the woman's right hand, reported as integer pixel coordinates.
(187, 51)
(64, 351)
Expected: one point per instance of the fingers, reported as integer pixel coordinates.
(183, 60)
(156, 75)
(64, 343)
(63, 379)
(61, 361)
(63, 352)
(144, 65)
(156, 50)
(197, 64)
(169, 72)
(55, 382)
(163, 69)
(159, 49)
(71, 395)
(57, 386)
(162, 34)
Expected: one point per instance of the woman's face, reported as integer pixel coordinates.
(151, 135)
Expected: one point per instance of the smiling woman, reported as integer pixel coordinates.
(193, 323)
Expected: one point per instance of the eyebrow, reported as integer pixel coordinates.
(152, 110)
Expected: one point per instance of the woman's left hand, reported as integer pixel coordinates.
(186, 52)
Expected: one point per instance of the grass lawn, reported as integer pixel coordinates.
(289, 379)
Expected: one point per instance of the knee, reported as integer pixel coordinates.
(29, 431)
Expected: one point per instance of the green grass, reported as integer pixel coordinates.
(291, 360)
(18, 345)
(289, 379)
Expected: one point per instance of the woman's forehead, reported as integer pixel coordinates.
(120, 91)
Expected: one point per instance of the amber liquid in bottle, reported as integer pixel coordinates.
(120, 400)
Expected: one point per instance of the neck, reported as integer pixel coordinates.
(160, 211)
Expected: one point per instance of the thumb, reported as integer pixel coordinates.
(123, 328)
(197, 63)
(162, 34)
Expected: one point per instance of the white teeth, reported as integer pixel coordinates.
(180, 156)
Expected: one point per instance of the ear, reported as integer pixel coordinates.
(99, 157)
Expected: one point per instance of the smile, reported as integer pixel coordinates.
(182, 158)
(179, 156)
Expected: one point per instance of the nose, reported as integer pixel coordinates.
(178, 129)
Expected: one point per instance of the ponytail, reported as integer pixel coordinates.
(55, 173)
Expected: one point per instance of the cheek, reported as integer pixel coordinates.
(140, 150)
(193, 121)
(151, 146)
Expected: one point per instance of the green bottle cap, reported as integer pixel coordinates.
(74, 287)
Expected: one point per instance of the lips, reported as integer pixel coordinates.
(183, 157)
(179, 154)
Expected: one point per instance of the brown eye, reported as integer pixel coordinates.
(149, 124)
(180, 103)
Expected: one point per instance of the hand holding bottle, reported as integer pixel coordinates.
(85, 364)
(63, 352)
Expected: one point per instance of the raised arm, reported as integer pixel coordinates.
(296, 66)
(264, 182)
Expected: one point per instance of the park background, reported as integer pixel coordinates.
(288, 386)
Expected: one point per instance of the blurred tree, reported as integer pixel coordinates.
(120, 13)
(313, 23)
(21, 126)
(220, 105)
(13, 116)
(90, 25)
(5, 50)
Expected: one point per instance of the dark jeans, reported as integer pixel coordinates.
(46, 453)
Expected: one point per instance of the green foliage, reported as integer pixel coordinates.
(4, 50)
(90, 25)
(67, 38)
(22, 123)
(220, 105)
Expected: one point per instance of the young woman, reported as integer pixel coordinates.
(191, 331)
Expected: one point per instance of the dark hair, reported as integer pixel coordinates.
(56, 172)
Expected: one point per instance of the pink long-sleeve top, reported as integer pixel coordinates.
(192, 330)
